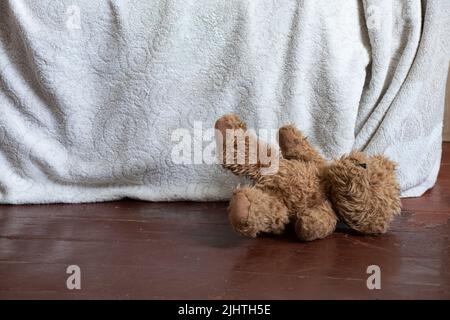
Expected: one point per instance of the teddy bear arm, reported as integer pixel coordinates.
(316, 222)
(240, 151)
(294, 145)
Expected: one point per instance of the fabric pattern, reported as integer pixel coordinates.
(92, 91)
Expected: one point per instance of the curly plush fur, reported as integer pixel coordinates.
(312, 193)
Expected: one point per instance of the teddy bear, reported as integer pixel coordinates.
(306, 190)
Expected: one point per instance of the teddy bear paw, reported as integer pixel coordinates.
(229, 122)
(238, 213)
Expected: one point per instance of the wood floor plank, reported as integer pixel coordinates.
(445, 153)
(111, 282)
(436, 199)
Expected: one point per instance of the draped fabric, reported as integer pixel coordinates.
(98, 98)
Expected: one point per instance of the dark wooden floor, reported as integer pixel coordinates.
(133, 249)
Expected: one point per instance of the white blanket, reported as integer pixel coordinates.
(94, 94)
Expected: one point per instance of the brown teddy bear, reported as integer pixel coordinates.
(307, 190)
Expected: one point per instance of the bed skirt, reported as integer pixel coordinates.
(101, 100)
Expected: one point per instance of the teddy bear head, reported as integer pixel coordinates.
(364, 191)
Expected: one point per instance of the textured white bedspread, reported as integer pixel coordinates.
(91, 92)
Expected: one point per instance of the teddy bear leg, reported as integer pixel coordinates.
(294, 145)
(239, 149)
(367, 224)
(316, 223)
(252, 211)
